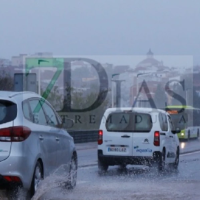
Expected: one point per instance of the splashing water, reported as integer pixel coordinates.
(59, 178)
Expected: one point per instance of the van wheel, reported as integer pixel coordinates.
(37, 177)
(71, 183)
(102, 167)
(161, 162)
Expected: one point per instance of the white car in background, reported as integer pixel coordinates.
(138, 136)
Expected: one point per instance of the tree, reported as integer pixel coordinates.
(6, 81)
(55, 98)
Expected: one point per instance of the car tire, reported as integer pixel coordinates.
(72, 177)
(198, 134)
(102, 167)
(176, 163)
(37, 177)
(161, 162)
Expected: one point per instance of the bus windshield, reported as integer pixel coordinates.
(180, 120)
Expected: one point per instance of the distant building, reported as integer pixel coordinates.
(152, 72)
(4, 62)
(18, 61)
(43, 54)
(150, 64)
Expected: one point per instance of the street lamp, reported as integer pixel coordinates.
(113, 75)
(118, 91)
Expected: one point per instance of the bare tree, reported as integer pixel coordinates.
(6, 81)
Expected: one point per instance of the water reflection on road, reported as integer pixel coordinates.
(189, 145)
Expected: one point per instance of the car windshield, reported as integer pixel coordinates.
(129, 122)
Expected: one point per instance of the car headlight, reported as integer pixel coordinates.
(182, 134)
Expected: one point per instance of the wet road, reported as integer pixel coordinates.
(135, 183)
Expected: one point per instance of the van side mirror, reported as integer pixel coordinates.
(67, 123)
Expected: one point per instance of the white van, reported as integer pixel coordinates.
(138, 136)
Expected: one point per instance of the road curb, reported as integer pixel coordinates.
(192, 151)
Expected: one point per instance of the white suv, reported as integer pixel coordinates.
(138, 136)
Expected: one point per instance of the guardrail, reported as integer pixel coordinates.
(84, 136)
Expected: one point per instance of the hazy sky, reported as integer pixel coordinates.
(100, 27)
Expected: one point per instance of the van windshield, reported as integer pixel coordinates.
(129, 122)
(8, 111)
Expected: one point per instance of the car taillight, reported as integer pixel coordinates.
(100, 137)
(157, 138)
(14, 134)
(12, 178)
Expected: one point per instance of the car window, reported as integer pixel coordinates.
(143, 122)
(171, 125)
(8, 111)
(37, 112)
(26, 111)
(163, 122)
(50, 115)
(129, 122)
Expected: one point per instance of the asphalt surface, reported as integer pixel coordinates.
(135, 182)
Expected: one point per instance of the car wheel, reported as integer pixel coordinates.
(198, 134)
(176, 163)
(102, 167)
(37, 177)
(161, 162)
(72, 178)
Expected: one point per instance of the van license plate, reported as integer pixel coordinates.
(117, 149)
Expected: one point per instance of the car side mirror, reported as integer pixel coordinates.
(176, 131)
(67, 123)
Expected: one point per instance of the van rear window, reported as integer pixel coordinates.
(129, 122)
(8, 111)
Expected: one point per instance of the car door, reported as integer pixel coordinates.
(143, 135)
(165, 136)
(46, 138)
(61, 139)
(117, 140)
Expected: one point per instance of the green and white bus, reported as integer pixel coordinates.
(187, 119)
